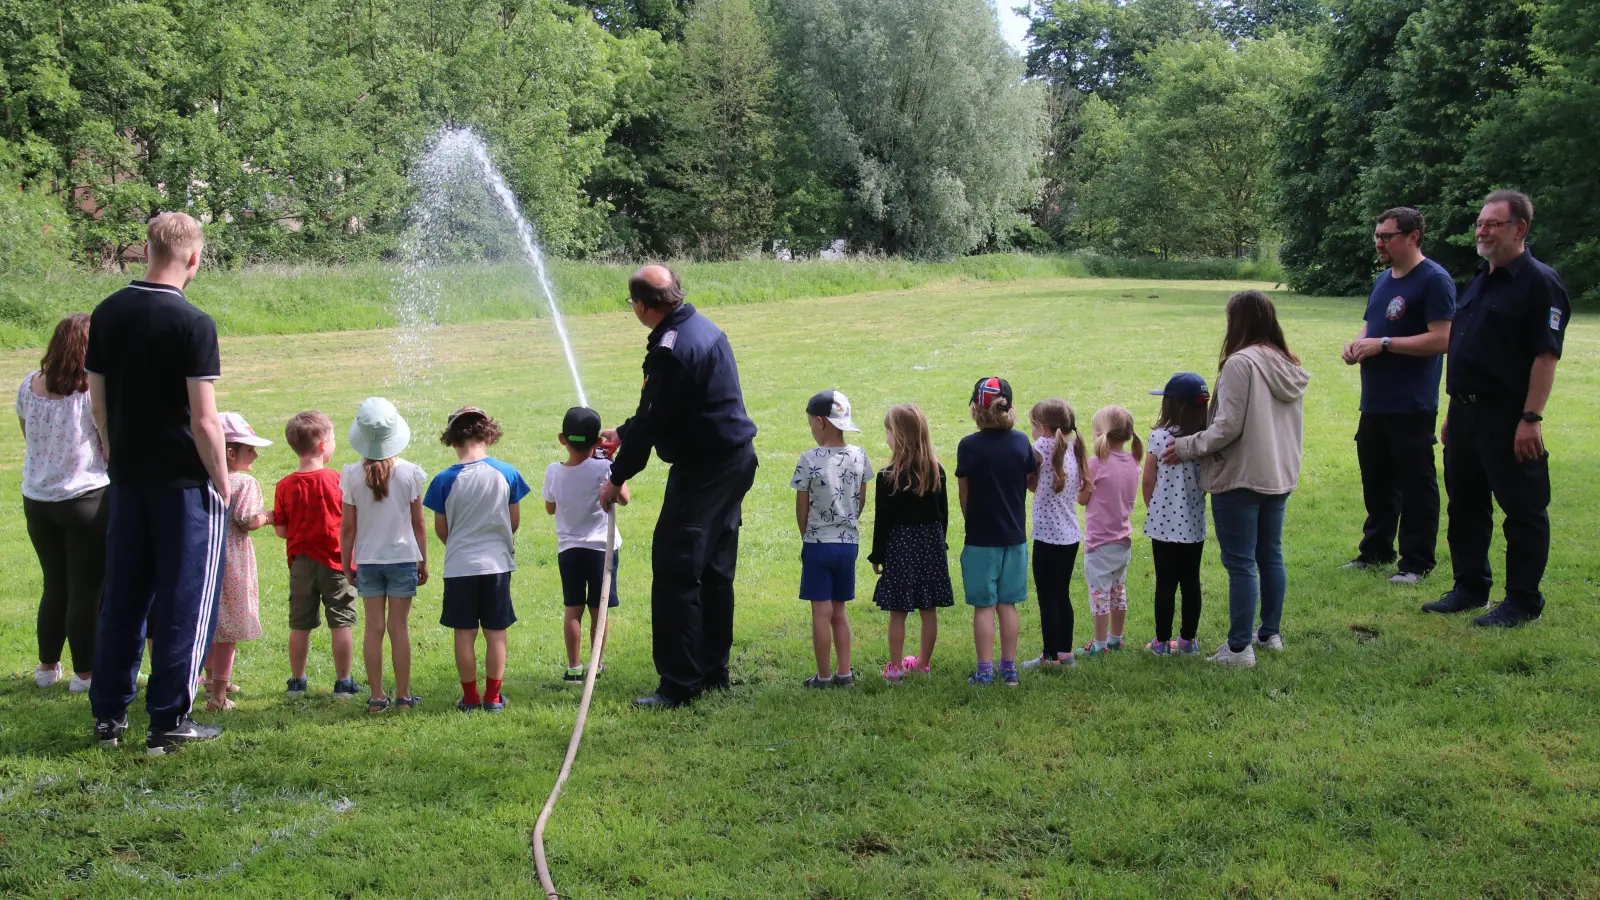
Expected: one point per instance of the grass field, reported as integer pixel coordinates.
(1385, 754)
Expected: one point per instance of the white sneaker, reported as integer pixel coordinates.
(46, 677)
(1274, 643)
(78, 685)
(1404, 578)
(1226, 657)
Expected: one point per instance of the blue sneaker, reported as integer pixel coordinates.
(295, 688)
(1009, 676)
(493, 706)
(981, 678)
(1160, 648)
(1188, 648)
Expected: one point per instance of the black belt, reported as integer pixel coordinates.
(1483, 400)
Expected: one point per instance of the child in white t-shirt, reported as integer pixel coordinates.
(572, 494)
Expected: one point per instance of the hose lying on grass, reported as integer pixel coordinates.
(596, 644)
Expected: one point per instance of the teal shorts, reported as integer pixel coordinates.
(993, 575)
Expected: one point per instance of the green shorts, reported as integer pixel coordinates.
(315, 588)
(993, 575)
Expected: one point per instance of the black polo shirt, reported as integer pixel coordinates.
(147, 341)
(1504, 320)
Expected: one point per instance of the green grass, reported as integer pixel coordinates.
(1386, 754)
(297, 300)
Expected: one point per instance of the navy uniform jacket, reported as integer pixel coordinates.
(1504, 320)
(691, 409)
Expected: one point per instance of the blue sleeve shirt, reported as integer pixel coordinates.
(476, 499)
(1403, 307)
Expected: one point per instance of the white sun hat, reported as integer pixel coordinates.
(235, 430)
(378, 431)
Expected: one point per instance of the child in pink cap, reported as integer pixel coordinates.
(238, 612)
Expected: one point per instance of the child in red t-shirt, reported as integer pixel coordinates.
(308, 515)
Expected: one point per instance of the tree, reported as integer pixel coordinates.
(921, 108)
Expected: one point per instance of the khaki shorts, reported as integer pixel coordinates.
(313, 586)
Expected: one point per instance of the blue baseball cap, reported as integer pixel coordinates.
(1185, 386)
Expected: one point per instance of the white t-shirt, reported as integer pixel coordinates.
(575, 490)
(383, 528)
(1055, 515)
(63, 458)
(1177, 511)
(476, 499)
(833, 476)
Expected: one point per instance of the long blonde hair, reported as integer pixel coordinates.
(913, 466)
(1056, 418)
(378, 472)
(1115, 423)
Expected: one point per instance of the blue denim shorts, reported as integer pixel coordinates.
(392, 579)
(991, 575)
(828, 572)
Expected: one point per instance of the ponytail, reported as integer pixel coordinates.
(1138, 448)
(378, 472)
(1058, 459)
(1082, 454)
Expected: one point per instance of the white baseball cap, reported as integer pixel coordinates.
(235, 430)
(833, 406)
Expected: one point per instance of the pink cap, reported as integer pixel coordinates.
(235, 430)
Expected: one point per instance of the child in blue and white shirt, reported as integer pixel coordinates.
(476, 511)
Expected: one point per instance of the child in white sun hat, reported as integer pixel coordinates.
(239, 610)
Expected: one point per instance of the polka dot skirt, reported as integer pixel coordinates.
(916, 571)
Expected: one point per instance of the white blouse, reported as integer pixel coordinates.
(63, 459)
(1177, 512)
(1055, 513)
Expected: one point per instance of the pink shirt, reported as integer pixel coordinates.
(1108, 519)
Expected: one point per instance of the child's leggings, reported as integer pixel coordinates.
(1177, 565)
(1052, 576)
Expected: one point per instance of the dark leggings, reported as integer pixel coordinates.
(69, 537)
(1177, 565)
(1052, 576)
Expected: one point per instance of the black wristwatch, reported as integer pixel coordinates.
(1532, 417)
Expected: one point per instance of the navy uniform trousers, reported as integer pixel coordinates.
(1480, 462)
(694, 558)
(163, 580)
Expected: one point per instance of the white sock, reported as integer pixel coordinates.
(1100, 645)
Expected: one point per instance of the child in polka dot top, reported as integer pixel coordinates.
(1175, 521)
(1062, 462)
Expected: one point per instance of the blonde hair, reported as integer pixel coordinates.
(913, 466)
(1115, 423)
(172, 235)
(378, 472)
(1057, 419)
(998, 414)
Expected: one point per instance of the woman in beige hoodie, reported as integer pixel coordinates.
(1250, 462)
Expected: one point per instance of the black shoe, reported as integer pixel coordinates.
(296, 687)
(1506, 615)
(656, 701)
(1454, 602)
(107, 732)
(1363, 562)
(160, 743)
(720, 685)
(345, 688)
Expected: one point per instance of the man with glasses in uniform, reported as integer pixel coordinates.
(1504, 346)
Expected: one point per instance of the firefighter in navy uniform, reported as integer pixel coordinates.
(691, 412)
(1507, 336)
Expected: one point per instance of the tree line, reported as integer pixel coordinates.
(716, 128)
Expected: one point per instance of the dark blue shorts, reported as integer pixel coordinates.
(478, 601)
(828, 572)
(581, 570)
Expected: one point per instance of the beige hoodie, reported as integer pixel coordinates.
(1255, 434)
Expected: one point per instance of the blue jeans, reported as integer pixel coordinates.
(1250, 536)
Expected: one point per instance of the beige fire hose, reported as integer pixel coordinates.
(596, 644)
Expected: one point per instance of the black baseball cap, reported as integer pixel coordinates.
(581, 425)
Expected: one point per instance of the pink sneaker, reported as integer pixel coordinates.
(892, 672)
(912, 664)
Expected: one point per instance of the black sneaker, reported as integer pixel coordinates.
(1506, 615)
(107, 732)
(1363, 563)
(296, 688)
(345, 688)
(1454, 602)
(160, 743)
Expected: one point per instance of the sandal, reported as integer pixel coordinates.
(220, 705)
(407, 702)
(377, 704)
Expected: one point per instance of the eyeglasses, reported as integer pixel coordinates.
(1492, 224)
(628, 301)
(1384, 237)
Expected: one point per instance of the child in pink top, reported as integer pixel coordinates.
(1107, 494)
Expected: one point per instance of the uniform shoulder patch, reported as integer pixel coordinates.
(669, 340)
(1555, 318)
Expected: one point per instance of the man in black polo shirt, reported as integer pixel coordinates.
(152, 363)
(1504, 345)
(1400, 349)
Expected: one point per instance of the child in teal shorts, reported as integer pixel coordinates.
(995, 467)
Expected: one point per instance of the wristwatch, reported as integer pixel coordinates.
(1385, 343)
(1532, 417)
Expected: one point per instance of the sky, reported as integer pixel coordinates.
(1012, 26)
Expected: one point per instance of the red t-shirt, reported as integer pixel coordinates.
(309, 505)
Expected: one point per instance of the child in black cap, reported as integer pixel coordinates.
(572, 495)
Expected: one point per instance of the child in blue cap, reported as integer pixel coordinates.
(1175, 520)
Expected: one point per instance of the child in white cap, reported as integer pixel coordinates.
(830, 481)
(239, 610)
